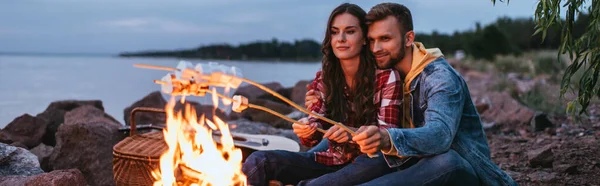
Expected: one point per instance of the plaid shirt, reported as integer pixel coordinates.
(388, 97)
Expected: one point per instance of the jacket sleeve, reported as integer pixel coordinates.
(445, 100)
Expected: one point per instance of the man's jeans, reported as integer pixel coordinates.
(444, 169)
(301, 168)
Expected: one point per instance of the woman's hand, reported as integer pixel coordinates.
(304, 130)
(310, 99)
(337, 134)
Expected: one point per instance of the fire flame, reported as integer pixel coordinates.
(193, 156)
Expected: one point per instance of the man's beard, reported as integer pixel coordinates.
(394, 60)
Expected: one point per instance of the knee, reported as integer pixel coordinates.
(451, 161)
(256, 158)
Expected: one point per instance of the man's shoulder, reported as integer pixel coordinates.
(441, 71)
(439, 64)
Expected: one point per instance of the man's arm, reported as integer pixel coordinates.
(445, 99)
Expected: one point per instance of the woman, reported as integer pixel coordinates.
(356, 94)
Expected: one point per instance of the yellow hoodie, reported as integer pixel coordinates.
(420, 59)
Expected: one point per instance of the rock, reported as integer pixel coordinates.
(16, 161)
(25, 129)
(265, 117)
(152, 100)
(54, 178)
(43, 153)
(540, 122)
(541, 176)
(252, 92)
(57, 178)
(297, 115)
(19, 144)
(506, 112)
(550, 131)
(482, 107)
(542, 157)
(566, 168)
(85, 142)
(299, 92)
(513, 174)
(54, 116)
(522, 86)
(13, 180)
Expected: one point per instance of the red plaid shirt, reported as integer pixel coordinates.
(387, 97)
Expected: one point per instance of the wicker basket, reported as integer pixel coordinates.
(135, 157)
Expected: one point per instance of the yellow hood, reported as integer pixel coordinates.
(421, 58)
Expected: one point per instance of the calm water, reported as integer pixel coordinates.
(29, 83)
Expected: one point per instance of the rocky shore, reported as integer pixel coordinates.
(70, 143)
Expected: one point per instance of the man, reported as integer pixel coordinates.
(441, 127)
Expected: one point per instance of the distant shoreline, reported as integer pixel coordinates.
(285, 60)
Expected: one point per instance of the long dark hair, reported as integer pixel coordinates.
(334, 79)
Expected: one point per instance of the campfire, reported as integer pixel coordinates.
(198, 151)
(193, 156)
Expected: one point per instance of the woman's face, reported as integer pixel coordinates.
(346, 36)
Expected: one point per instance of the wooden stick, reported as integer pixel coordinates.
(352, 132)
(265, 109)
(291, 103)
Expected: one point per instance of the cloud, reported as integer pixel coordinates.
(158, 25)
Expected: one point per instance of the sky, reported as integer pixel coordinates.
(114, 26)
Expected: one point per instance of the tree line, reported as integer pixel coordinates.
(504, 36)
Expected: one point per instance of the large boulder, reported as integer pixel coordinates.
(55, 178)
(85, 142)
(43, 153)
(506, 112)
(16, 161)
(299, 92)
(58, 178)
(152, 100)
(55, 112)
(265, 117)
(25, 129)
(251, 91)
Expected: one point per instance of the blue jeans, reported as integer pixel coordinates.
(300, 168)
(448, 168)
(321, 147)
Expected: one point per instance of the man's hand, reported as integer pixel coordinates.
(337, 134)
(310, 99)
(304, 131)
(372, 139)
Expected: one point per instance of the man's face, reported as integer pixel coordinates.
(387, 42)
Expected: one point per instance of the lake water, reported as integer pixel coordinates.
(30, 83)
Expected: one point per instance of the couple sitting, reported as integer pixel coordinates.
(405, 102)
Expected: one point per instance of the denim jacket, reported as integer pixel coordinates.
(444, 118)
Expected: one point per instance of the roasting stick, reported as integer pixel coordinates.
(344, 127)
(263, 109)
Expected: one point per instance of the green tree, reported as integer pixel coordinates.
(583, 48)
